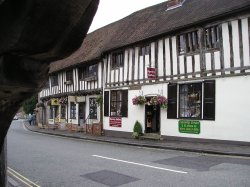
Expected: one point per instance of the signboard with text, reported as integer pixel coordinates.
(151, 73)
(115, 122)
(190, 127)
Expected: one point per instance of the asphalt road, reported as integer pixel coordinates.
(51, 161)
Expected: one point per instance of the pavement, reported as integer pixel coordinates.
(209, 148)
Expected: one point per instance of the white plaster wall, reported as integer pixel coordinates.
(137, 112)
(232, 120)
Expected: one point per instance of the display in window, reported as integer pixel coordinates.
(190, 100)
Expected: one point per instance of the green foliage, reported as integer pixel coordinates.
(99, 100)
(29, 105)
(137, 131)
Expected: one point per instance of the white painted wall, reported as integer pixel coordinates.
(231, 119)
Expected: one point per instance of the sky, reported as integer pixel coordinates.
(112, 10)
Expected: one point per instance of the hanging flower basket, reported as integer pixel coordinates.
(159, 100)
(139, 100)
(63, 100)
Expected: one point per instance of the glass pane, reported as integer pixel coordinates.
(113, 96)
(119, 108)
(119, 95)
(190, 100)
(113, 109)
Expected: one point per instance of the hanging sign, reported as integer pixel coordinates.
(190, 127)
(54, 102)
(151, 73)
(115, 122)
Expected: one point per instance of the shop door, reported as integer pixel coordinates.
(152, 118)
(81, 113)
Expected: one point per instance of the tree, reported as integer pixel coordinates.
(29, 105)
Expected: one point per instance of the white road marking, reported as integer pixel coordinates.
(22, 178)
(139, 164)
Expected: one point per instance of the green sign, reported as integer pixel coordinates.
(190, 127)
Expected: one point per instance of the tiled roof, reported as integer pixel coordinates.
(148, 23)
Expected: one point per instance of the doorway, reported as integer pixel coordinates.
(152, 118)
(81, 113)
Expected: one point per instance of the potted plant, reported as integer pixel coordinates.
(137, 131)
(139, 100)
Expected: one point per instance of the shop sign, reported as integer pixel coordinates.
(190, 127)
(115, 122)
(151, 73)
(54, 102)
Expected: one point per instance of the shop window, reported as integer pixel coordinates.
(117, 60)
(188, 42)
(144, 50)
(87, 72)
(212, 38)
(92, 108)
(54, 80)
(119, 103)
(190, 100)
(193, 99)
(63, 111)
(72, 110)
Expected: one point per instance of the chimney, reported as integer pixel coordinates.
(172, 4)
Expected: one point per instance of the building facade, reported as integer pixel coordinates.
(196, 58)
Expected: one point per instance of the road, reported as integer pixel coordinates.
(51, 161)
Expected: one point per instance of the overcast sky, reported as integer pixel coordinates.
(113, 10)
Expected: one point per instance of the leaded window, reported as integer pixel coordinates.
(63, 111)
(72, 110)
(117, 60)
(118, 103)
(212, 38)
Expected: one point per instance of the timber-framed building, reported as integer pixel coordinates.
(195, 53)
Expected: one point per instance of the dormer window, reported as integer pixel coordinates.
(172, 4)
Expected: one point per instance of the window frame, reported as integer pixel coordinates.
(116, 101)
(85, 72)
(72, 110)
(123, 103)
(115, 63)
(69, 75)
(208, 100)
(212, 43)
(63, 112)
(54, 80)
(145, 50)
(188, 42)
(93, 107)
(200, 84)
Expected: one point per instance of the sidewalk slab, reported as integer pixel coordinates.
(209, 148)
